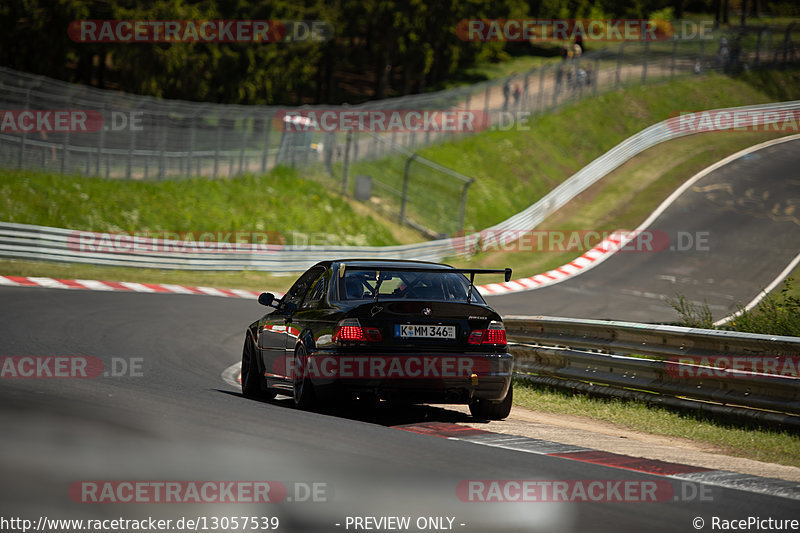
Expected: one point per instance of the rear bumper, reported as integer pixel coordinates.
(414, 377)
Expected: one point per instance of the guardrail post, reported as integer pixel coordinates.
(463, 212)
(162, 160)
(101, 141)
(672, 60)
(525, 90)
(540, 96)
(557, 83)
(244, 144)
(129, 161)
(404, 197)
(190, 155)
(265, 154)
(644, 61)
(65, 150)
(702, 52)
(24, 132)
(346, 169)
(216, 150)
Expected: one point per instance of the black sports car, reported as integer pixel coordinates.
(402, 331)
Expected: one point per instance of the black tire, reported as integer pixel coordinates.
(489, 410)
(253, 383)
(302, 389)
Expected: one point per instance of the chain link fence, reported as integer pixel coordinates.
(144, 138)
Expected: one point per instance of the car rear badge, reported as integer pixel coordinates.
(426, 311)
(375, 310)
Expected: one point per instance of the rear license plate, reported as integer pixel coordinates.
(427, 331)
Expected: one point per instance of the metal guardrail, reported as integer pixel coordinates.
(23, 241)
(665, 364)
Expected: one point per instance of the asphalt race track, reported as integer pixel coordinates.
(160, 411)
(722, 242)
(176, 419)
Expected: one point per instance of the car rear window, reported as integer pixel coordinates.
(399, 284)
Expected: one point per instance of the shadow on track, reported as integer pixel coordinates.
(383, 413)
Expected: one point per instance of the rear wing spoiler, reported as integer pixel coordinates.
(470, 271)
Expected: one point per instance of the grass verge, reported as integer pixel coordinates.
(777, 313)
(740, 441)
(279, 207)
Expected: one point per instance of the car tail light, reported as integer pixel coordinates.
(494, 334)
(350, 330)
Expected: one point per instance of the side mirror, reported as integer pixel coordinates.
(267, 299)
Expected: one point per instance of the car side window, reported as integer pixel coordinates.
(315, 294)
(298, 291)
